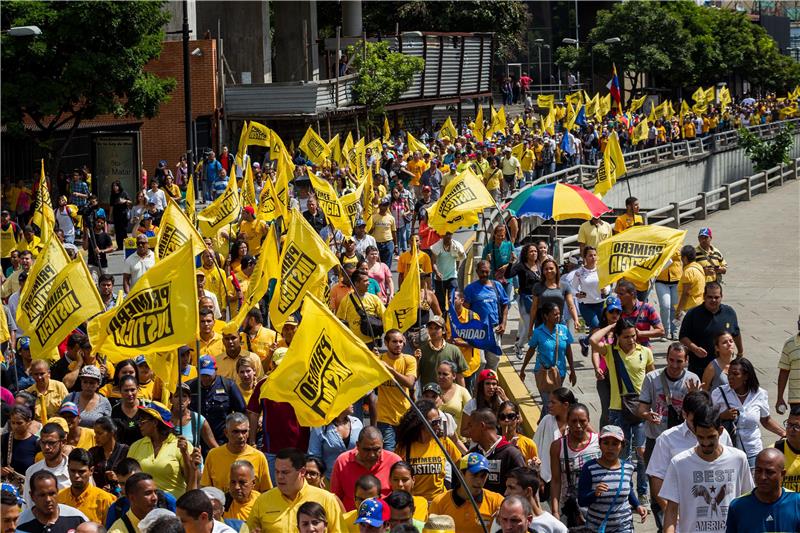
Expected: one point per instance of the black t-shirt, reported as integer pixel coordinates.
(102, 240)
(66, 522)
(128, 430)
(700, 326)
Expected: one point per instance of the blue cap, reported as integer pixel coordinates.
(373, 512)
(11, 489)
(613, 303)
(207, 366)
(69, 408)
(24, 343)
(147, 216)
(140, 360)
(100, 213)
(474, 463)
(704, 232)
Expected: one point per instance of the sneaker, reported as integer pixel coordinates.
(644, 500)
(584, 342)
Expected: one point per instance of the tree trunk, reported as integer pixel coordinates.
(57, 155)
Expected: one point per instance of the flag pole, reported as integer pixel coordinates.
(456, 470)
(180, 391)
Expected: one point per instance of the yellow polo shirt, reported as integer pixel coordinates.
(219, 284)
(254, 232)
(166, 467)
(274, 513)
(695, 278)
(93, 502)
(212, 347)
(636, 363)
(348, 312)
(119, 526)
(624, 221)
(226, 366)
(217, 469)
(382, 227)
(463, 514)
(592, 235)
(241, 511)
(51, 398)
(424, 260)
(392, 404)
(261, 343)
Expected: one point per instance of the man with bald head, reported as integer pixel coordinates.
(515, 515)
(770, 507)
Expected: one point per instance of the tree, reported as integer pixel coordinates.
(87, 62)
(383, 76)
(767, 153)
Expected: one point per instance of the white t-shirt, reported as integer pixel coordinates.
(703, 490)
(672, 442)
(585, 280)
(156, 197)
(544, 523)
(748, 425)
(545, 434)
(61, 473)
(136, 266)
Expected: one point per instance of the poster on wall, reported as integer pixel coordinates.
(115, 158)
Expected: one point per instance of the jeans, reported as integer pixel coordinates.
(546, 401)
(667, 300)
(524, 320)
(591, 314)
(642, 296)
(403, 235)
(271, 464)
(634, 443)
(389, 440)
(386, 251)
(604, 392)
(442, 288)
(208, 190)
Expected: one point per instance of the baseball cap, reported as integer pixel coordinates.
(69, 408)
(373, 512)
(249, 209)
(100, 213)
(452, 166)
(615, 432)
(256, 165)
(90, 371)
(159, 412)
(140, 360)
(426, 188)
(436, 319)
(147, 216)
(506, 150)
(11, 489)
(474, 463)
(385, 200)
(207, 365)
(704, 232)
(24, 343)
(278, 355)
(360, 222)
(612, 303)
(487, 373)
(432, 387)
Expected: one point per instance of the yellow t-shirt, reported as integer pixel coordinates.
(695, 278)
(424, 260)
(240, 511)
(528, 158)
(527, 447)
(792, 479)
(455, 405)
(392, 404)
(464, 515)
(416, 168)
(261, 343)
(688, 130)
(212, 347)
(51, 398)
(166, 467)
(93, 502)
(382, 227)
(273, 513)
(420, 509)
(226, 366)
(636, 363)
(491, 178)
(348, 312)
(624, 221)
(592, 235)
(217, 469)
(120, 527)
(254, 232)
(429, 466)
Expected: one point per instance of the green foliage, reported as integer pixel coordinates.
(87, 62)
(767, 153)
(509, 20)
(567, 56)
(383, 75)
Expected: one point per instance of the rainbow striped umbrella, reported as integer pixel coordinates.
(559, 201)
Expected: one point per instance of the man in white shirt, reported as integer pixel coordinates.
(64, 220)
(202, 292)
(51, 440)
(362, 239)
(511, 169)
(447, 254)
(137, 264)
(522, 486)
(701, 482)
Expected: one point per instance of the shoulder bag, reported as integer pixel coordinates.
(548, 379)
(730, 425)
(570, 507)
(369, 325)
(629, 402)
(674, 417)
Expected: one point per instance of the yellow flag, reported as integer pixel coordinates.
(43, 216)
(477, 130)
(465, 195)
(222, 211)
(325, 370)
(258, 135)
(329, 204)
(613, 166)
(191, 208)
(351, 201)
(314, 147)
(52, 260)
(652, 116)
(248, 192)
(709, 95)
(550, 122)
(277, 149)
(569, 118)
(402, 311)
(159, 314)
(176, 230)
(387, 132)
(414, 145)
(241, 148)
(593, 106)
(640, 132)
(71, 300)
(517, 150)
(347, 147)
(448, 129)
(516, 129)
(684, 108)
(305, 262)
(335, 148)
(165, 366)
(284, 174)
(5, 334)
(498, 124)
(638, 253)
(268, 203)
(576, 99)
(545, 101)
(724, 98)
(637, 103)
(604, 107)
(367, 196)
(699, 96)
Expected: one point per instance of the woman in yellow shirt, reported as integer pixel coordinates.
(491, 178)
(509, 419)
(247, 377)
(126, 367)
(401, 477)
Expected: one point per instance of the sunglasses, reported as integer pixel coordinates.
(507, 416)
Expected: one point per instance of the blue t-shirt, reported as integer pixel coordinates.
(500, 255)
(748, 514)
(544, 341)
(485, 300)
(212, 170)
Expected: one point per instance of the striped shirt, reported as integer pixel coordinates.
(790, 360)
(620, 518)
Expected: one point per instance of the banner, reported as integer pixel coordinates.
(268, 204)
(367, 200)
(476, 333)
(465, 195)
(158, 314)
(347, 148)
(329, 204)
(52, 259)
(283, 175)
(277, 148)
(640, 131)
(613, 166)
(71, 300)
(248, 192)
(176, 230)
(415, 146)
(545, 101)
(304, 265)
(576, 98)
(222, 211)
(314, 147)
(637, 103)
(402, 311)
(351, 202)
(43, 216)
(638, 253)
(241, 148)
(335, 149)
(498, 124)
(257, 135)
(325, 370)
(191, 208)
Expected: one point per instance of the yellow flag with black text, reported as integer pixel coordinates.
(241, 148)
(401, 313)
(304, 265)
(415, 146)
(351, 201)
(329, 204)
(191, 208)
(158, 314)
(325, 370)
(335, 149)
(52, 259)
(546, 101)
(640, 132)
(248, 193)
(638, 253)
(613, 166)
(477, 127)
(461, 201)
(43, 216)
(174, 231)
(221, 212)
(637, 103)
(448, 130)
(268, 204)
(257, 135)
(314, 147)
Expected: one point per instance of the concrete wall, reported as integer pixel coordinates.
(677, 182)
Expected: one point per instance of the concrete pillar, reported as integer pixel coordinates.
(291, 51)
(266, 40)
(351, 18)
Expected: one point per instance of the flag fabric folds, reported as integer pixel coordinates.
(638, 253)
(387, 131)
(546, 101)
(329, 204)
(221, 212)
(415, 146)
(640, 132)
(611, 168)
(314, 147)
(476, 333)
(176, 230)
(616, 93)
(461, 201)
(159, 314)
(448, 129)
(43, 216)
(401, 313)
(191, 208)
(325, 370)
(477, 128)
(52, 259)
(637, 103)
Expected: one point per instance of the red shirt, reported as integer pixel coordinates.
(346, 471)
(281, 428)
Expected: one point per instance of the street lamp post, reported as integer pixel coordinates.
(567, 40)
(23, 31)
(539, 43)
